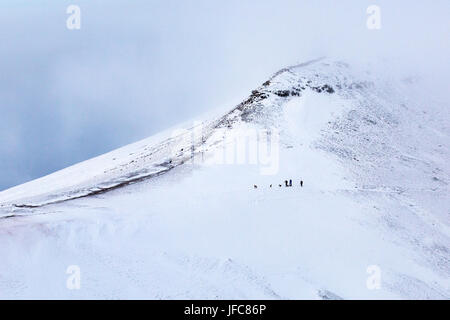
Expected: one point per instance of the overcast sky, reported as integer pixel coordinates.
(137, 67)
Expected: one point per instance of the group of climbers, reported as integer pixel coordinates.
(287, 183)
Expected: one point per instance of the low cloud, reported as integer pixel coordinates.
(138, 67)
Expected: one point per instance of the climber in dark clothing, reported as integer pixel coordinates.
(286, 183)
(301, 183)
(290, 183)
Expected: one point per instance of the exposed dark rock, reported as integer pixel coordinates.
(283, 93)
(328, 88)
(325, 87)
(256, 96)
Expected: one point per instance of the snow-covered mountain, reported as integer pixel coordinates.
(198, 212)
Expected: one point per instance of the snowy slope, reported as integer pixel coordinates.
(175, 216)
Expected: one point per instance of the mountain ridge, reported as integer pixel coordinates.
(164, 165)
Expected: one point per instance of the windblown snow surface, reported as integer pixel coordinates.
(167, 218)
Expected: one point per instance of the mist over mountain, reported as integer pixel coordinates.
(329, 180)
(133, 70)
